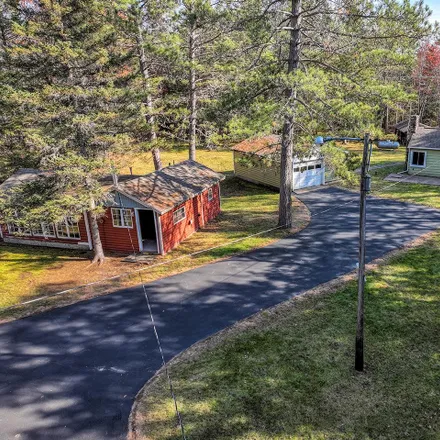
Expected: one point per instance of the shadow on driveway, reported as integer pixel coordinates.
(72, 373)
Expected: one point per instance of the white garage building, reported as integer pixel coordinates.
(257, 160)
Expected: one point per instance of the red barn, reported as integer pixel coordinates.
(152, 213)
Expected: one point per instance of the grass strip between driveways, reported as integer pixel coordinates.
(292, 376)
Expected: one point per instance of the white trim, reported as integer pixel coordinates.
(411, 159)
(124, 226)
(159, 237)
(138, 229)
(1, 230)
(203, 210)
(20, 231)
(43, 234)
(89, 235)
(183, 218)
(423, 148)
(148, 207)
(155, 227)
(67, 227)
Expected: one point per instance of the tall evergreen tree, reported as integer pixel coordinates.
(64, 99)
(324, 63)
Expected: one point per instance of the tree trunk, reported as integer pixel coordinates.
(286, 181)
(156, 158)
(151, 120)
(192, 94)
(96, 238)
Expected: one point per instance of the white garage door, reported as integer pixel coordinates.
(307, 175)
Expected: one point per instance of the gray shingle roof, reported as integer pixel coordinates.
(425, 138)
(23, 175)
(402, 126)
(171, 186)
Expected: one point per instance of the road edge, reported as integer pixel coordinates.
(253, 320)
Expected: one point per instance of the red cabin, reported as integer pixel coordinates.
(151, 213)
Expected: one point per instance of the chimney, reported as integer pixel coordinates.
(115, 179)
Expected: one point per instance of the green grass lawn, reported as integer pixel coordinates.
(28, 272)
(218, 160)
(23, 269)
(407, 192)
(291, 375)
(378, 157)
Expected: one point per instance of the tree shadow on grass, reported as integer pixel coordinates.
(74, 372)
(294, 377)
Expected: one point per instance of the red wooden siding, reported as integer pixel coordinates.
(211, 209)
(173, 234)
(198, 212)
(82, 230)
(118, 239)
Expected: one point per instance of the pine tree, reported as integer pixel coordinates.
(325, 64)
(65, 79)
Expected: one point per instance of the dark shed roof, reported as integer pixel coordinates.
(428, 138)
(171, 186)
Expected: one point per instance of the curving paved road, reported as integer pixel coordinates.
(72, 373)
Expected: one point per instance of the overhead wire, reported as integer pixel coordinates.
(153, 323)
(193, 254)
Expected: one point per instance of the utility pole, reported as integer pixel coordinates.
(365, 187)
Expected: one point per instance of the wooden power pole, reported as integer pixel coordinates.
(365, 187)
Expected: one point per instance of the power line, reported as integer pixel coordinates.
(193, 254)
(156, 333)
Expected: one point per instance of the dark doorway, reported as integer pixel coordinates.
(148, 230)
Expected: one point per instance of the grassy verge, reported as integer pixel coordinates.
(28, 272)
(292, 377)
(407, 192)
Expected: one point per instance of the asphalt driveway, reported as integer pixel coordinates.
(72, 373)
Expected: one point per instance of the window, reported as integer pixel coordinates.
(296, 170)
(210, 194)
(318, 166)
(179, 215)
(44, 230)
(68, 229)
(418, 159)
(122, 218)
(13, 228)
(311, 167)
(303, 169)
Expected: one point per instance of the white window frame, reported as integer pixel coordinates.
(412, 159)
(68, 232)
(181, 219)
(210, 194)
(44, 228)
(19, 230)
(122, 217)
